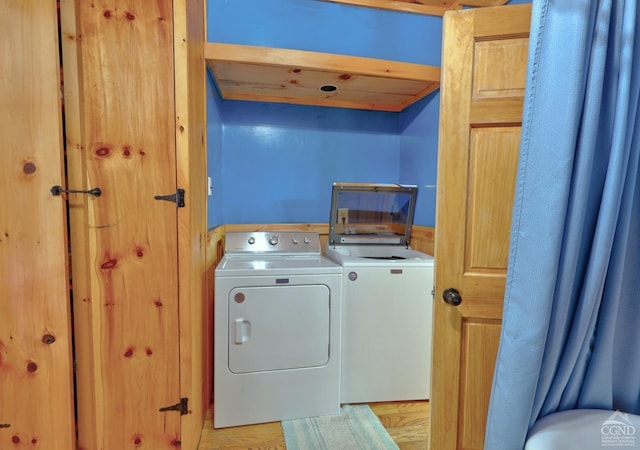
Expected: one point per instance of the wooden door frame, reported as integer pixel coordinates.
(191, 149)
(78, 218)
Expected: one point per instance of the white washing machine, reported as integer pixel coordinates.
(277, 319)
(387, 294)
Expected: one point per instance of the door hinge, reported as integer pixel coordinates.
(182, 407)
(177, 198)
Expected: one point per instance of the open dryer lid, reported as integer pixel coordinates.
(371, 214)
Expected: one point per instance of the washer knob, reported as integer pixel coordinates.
(295, 241)
(307, 240)
(251, 240)
(273, 240)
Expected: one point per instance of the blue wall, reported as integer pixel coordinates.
(275, 163)
(326, 27)
(419, 154)
(279, 161)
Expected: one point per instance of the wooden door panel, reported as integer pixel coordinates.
(484, 73)
(493, 160)
(36, 377)
(129, 365)
(496, 111)
(491, 56)
(480, 340)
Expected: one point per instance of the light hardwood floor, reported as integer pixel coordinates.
(406, 422)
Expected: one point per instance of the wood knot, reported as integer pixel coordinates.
(110, 264)
(29, 168)
(103, 151)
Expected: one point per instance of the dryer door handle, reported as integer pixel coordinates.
(242, 330)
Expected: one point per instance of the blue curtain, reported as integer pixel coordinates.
(570, 335)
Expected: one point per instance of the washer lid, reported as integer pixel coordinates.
(372, 214)
(378, 256)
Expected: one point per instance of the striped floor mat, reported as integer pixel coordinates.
(356, 427)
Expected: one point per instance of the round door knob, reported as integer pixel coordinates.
(452, 296)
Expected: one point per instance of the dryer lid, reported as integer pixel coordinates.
(371, 214)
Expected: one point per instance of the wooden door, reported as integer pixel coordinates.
(122, 139)
(483, 79)
(36, 377)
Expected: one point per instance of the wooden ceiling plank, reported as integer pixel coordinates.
(295, 76)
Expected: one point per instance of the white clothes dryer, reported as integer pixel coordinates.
(387, 294)
(277, 319)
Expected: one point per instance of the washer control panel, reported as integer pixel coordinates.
(272, 242)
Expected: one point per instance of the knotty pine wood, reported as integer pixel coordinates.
(244, 72)
(143, 280)
(78, 221)
(406, 422)
(214, 253)
(428, 7)
(189, 31)
(422, 239)
(36, 372)
(130, 146)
